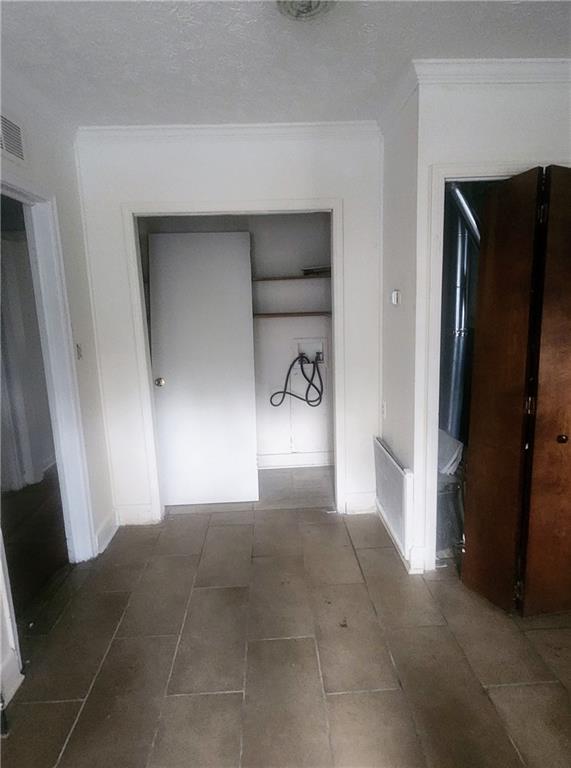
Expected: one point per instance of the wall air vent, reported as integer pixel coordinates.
(11, 139)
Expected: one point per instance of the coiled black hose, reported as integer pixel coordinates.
(312, 400)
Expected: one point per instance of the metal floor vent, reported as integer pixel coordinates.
(11, 139)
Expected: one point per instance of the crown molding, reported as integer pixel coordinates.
(491, 71)
(357, 130)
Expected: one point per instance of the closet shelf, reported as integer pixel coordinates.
(290, 277)
(292, 314)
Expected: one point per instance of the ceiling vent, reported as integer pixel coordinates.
(11, 141)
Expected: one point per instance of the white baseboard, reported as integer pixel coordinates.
(137, 514)
(105, 533)
(10, 676)
(287, 460)
(415, 564)
(359, 502)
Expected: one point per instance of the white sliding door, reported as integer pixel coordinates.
(202, 346)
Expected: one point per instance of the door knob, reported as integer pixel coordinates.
(562, 438)
(160, 382)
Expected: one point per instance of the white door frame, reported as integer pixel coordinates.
(428, 343)
(46, 260)
(130, 212)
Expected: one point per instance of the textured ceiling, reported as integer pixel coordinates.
(230, 62)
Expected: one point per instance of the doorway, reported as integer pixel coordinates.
(33, 526)
(463, 210)
(288, 301)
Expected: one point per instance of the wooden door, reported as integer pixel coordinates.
(203, 364)
(496, 449)
(547, 577)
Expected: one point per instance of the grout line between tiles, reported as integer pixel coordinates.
(50, 701)
(201, 693)
(363, 690)
(95, 676)
(527, 684)
(324, 695)
(177, 645)
(271, 639)
(243, 704)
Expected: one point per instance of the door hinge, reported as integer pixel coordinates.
(542, 211)
(529, 405)
(518, 591)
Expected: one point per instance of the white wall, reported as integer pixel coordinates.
(49, 172)
(493, 128)
(399, 272)
(235, 170)
(294, 434)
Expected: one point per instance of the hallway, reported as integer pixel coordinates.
(285, 637)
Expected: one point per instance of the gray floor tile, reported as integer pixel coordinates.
(44, 614)
(113, 732)
(188, 509)
(538, 718)
(554, 646)
(353, 653)
(211, 653)
(373, 730)
(117, 724)
(319, 516)
(496, 649)
(277, 540)
(545, 621)
(279, 599)
(367, 531)
(457, 723)
(276, 516)
(135, 665)
(328, 555)
(233, 517)
(199, 732)
(132, 544)
(445, 569)
(226, 559)
(326, 535)
(115, 577)
(37, 733)
(285, 722)
(158, 603)
(72, 652)
(400, 599)
(182, 535)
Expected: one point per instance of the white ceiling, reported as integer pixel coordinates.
(231, 62)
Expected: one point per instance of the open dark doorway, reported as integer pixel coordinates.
(31, 514)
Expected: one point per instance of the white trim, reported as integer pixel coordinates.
(105, 533)
(239, 131)
(10, 675)
(46, 261)
(492, 71)
(138, 318)
(356, 503)
(412, 567)
(427, 345)
(286, 460)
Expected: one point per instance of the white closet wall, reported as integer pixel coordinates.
(281, 246)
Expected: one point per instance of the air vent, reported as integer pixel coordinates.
(11, 139)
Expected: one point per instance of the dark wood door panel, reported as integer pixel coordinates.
(548, 560)
(494, 474)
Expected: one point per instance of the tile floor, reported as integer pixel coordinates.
(285, 636)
